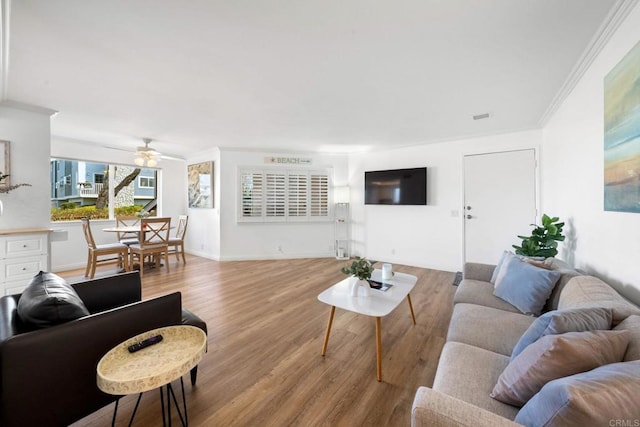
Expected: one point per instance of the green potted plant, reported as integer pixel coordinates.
(544, 239)
(360, 269)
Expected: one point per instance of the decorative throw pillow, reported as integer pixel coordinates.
(596, 398)
(561, 321)
(506, 255)
(537, 263)
(557, 356)
(631, 324)
(525, 286)
(48, 300)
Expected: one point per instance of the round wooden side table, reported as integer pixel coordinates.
(120, 372)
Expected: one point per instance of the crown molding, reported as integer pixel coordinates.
(612, 22)
(28, 107)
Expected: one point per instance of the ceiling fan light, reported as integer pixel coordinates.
(146, 156)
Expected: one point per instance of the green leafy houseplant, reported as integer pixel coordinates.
(544, 239)
(360, 268)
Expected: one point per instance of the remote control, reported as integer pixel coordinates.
(145, 343)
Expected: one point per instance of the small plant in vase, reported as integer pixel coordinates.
(360, 269)
(143, 214)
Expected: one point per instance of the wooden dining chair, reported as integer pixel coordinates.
(176, 243)
(128, 237)
(154, 242)
(96, 253)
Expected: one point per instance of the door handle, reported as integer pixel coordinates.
(469, 217)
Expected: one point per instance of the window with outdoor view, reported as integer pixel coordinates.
(100, 190)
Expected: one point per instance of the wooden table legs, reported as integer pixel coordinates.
(326, 337)
(413, 316)
(379, 348)
(378, 336)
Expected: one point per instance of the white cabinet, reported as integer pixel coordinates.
(23, 253)
(341, 231)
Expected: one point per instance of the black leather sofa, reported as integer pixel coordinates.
(48, 376)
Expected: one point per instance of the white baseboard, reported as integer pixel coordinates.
(276, 257)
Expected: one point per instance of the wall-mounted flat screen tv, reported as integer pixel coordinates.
(396, 187)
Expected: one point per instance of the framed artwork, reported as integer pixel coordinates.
(200, 177)
(622, 135)
(5, 163)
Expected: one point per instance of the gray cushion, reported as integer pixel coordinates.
(48, 300)
(631, 324)
(557, 356)
(484, 327)
(502, 262)
(561, 321)
(605, 396)
(589, 291)
(566, 274)
(524, 285)
(469, 373)
(481, 293)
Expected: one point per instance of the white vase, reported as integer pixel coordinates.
(356, 284)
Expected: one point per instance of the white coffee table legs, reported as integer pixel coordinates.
(378, 336)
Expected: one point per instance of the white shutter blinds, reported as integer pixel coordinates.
(252, 194)
(283, 195)
(298, 190)
(275, 195)
(319, 195)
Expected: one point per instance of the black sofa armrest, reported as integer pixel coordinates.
(9, 316)
(109, 292)
(48, 376)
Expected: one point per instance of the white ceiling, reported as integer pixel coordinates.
(304, 75)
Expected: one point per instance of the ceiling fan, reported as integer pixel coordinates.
(157, 155)
(147, 156)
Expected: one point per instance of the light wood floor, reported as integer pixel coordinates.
(266, 328)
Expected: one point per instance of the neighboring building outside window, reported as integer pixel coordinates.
(82, 188)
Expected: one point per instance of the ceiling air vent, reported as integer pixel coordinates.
(481, 116)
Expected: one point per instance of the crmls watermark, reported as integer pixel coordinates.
(624, 423)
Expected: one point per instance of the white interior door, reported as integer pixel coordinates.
(499, 202)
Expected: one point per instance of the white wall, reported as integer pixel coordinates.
(68, 247)
(29, 135)
(203, 232)
(262, 240)
(606, 244)
(425, 236)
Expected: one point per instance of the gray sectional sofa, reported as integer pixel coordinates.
(482, 334)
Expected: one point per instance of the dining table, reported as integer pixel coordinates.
(130, 229)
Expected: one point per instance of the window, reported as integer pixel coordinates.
(99, 190)
(283, 195)
(146, 182)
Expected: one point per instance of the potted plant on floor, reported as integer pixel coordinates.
(543, 242)
(360, 270)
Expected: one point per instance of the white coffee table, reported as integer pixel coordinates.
(378, 304)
